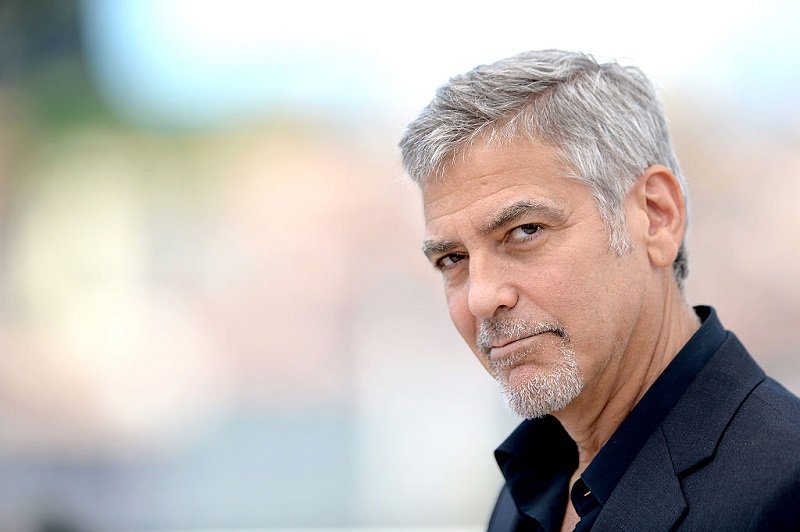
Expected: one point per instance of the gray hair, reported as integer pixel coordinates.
(604, 122)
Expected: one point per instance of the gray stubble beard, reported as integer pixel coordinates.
(545, 391)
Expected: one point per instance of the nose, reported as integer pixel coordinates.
(490, 288)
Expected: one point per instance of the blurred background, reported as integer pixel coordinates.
(213, 309)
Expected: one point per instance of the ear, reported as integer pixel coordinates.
(662, 202)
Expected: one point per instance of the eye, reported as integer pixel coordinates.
(523, 232)
(450, 260)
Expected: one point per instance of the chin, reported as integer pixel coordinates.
(532, 393)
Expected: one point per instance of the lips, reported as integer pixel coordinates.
(510, 341)
(506, 349)
(507, 341)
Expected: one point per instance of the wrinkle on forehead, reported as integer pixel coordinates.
(483, 171)
(443, 205)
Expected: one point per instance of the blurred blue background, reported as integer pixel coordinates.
(213, 310)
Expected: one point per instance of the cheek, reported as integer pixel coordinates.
(553, 286)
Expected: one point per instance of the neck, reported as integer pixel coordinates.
(595, 415)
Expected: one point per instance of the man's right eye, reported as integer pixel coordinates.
(449, 260)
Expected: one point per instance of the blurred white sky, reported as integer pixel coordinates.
(193, 61)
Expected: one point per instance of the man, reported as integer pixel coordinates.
(556, 212)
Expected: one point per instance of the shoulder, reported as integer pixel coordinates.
(770, 415)
(779, 403)
(765, 428)
(766, 431)
(765, 425)
(751, 476)
(752, 480)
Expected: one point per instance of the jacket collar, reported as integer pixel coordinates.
(694, 428)
(649, 495)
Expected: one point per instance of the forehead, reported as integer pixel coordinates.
(485, 177)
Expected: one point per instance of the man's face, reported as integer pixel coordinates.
(530, 281)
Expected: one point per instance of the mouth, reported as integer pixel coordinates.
(508, 351)
(502, 340)
(507, 342)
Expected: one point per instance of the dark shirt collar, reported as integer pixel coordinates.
(539, 458)
(537, 461)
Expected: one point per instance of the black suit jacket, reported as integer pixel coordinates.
(726, 457)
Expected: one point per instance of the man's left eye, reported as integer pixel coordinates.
(524, 231)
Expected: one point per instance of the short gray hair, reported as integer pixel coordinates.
(604, 122)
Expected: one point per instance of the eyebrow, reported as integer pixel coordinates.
(503, 218)
(432, 248)
(519, 209)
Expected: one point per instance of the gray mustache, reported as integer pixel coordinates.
(505, 330)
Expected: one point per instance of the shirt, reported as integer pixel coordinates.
(539, 458)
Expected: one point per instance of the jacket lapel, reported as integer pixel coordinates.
(649, 494)
(695, 426)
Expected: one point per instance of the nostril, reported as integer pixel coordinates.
(487, 301)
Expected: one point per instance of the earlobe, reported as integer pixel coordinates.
(665, 208)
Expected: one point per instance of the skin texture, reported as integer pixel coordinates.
(516, 239)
